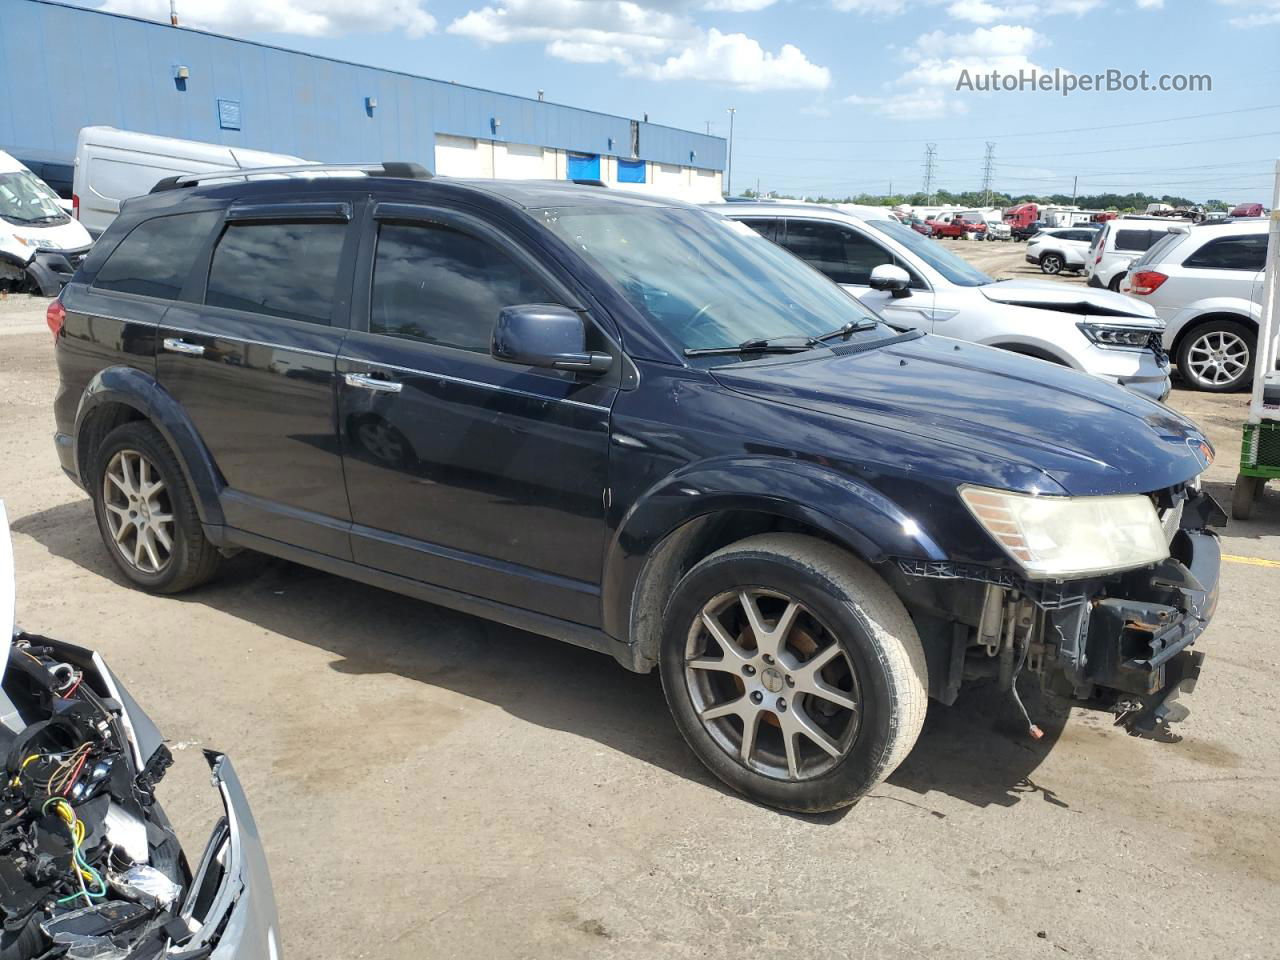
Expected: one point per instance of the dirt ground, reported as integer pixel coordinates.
(432, 785)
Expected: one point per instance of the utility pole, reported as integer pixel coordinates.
(1075, 189)
(930, 161)
(988, 173)
(728, 173)
(708, 127)
(173, 13)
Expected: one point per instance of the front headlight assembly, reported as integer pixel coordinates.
(1066, 538)
(1118, 334)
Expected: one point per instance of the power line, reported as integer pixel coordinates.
(1043, 133)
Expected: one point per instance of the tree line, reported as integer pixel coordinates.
(1123, 202)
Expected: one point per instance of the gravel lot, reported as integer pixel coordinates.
(431, 785)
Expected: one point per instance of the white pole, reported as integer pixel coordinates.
(1269, 328)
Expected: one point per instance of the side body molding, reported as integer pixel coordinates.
(138, 389)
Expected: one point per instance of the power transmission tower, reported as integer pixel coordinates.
(930, 162)
(988, 173)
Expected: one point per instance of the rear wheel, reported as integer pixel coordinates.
(1218, 356)
(793, 671)
(1052, 264)
(146, 514)
(1115, 282)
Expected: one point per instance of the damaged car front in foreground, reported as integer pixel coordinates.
(90, 867)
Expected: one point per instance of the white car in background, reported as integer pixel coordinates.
(40, 245)
(916, 283)
(1122, 241)
(1206, 283)
(1060, 248)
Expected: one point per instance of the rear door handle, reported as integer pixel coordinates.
(174, 345)
(366, 382)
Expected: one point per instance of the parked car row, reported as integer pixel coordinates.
(657, 432)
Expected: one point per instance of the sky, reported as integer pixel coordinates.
(843, 96)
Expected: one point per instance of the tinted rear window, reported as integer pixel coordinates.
(1231, 253)
(281, 269)
(157, 255)
(1136, 240)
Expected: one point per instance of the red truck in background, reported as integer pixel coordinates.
(956, 227)
(1023, 220)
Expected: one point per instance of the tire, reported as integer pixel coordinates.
(848, 623)
(1114, 285)
(130, 522)
(1244, 496)
(1218, 356)
(1052, 264)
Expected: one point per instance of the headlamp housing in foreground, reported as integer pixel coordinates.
(1067, 538)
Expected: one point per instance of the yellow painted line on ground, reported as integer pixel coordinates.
(1251, 561)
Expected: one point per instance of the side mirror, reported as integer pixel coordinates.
(545, 335)
(892, 278)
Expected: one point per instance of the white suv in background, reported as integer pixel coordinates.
(1122, 241)
(1206, 284)
(1061, 248)
(914, 282)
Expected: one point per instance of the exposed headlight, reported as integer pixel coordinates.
(39, 243)
(1117, 335)
(1064, 538)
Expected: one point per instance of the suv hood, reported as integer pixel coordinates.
(1087, 435)
(1086, 301)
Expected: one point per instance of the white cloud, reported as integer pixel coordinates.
(974, 11)
(310, 18)
(658, 39)
(1254, 13)
(884, 8)
(937, 59)
(1150, 4)
(736, 60)
(738, 6)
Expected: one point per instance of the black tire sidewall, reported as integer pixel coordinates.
(1214, 326)
(146, 440)
(860, 768)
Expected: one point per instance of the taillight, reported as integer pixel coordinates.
(1146, 281)
(75, 205)
(55, 317)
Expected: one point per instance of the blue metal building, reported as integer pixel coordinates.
(63, 68)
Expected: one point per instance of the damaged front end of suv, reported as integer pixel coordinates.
(90, 867)
(1114, 639)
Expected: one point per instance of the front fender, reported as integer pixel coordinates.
(853, 514)
(139, 390)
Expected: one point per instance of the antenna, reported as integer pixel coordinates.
(930, 162)
(988, 173)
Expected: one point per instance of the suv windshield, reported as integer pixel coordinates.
(706, 281)
(25, 199)
(956, 270)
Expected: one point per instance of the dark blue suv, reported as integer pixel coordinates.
(641, 428)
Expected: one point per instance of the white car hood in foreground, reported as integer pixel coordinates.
(1050, 295)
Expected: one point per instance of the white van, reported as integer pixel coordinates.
(40, 246)
(113, 165)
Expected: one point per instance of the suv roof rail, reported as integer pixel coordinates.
(397, 169)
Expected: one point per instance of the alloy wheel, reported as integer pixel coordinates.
(139, 511)
(771, 684)
(1218, 358)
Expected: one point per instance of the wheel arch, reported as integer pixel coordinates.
(1032, 350)
(118, 395)
(1211, 316)
(668, 531)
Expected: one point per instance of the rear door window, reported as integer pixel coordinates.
(157, 255)
(1231, 253)
(279, 269)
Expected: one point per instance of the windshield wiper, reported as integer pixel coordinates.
(758, 345)
(850, 328)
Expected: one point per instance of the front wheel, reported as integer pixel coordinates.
(793, 671)
(1051, 264)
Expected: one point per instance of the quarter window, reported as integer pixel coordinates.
(440, 285)
(1231, 253)
(280, 269)
(157, 255)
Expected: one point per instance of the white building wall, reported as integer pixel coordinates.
(485, 159)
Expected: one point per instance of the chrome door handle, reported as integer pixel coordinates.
(366, 382)
(174, 345)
